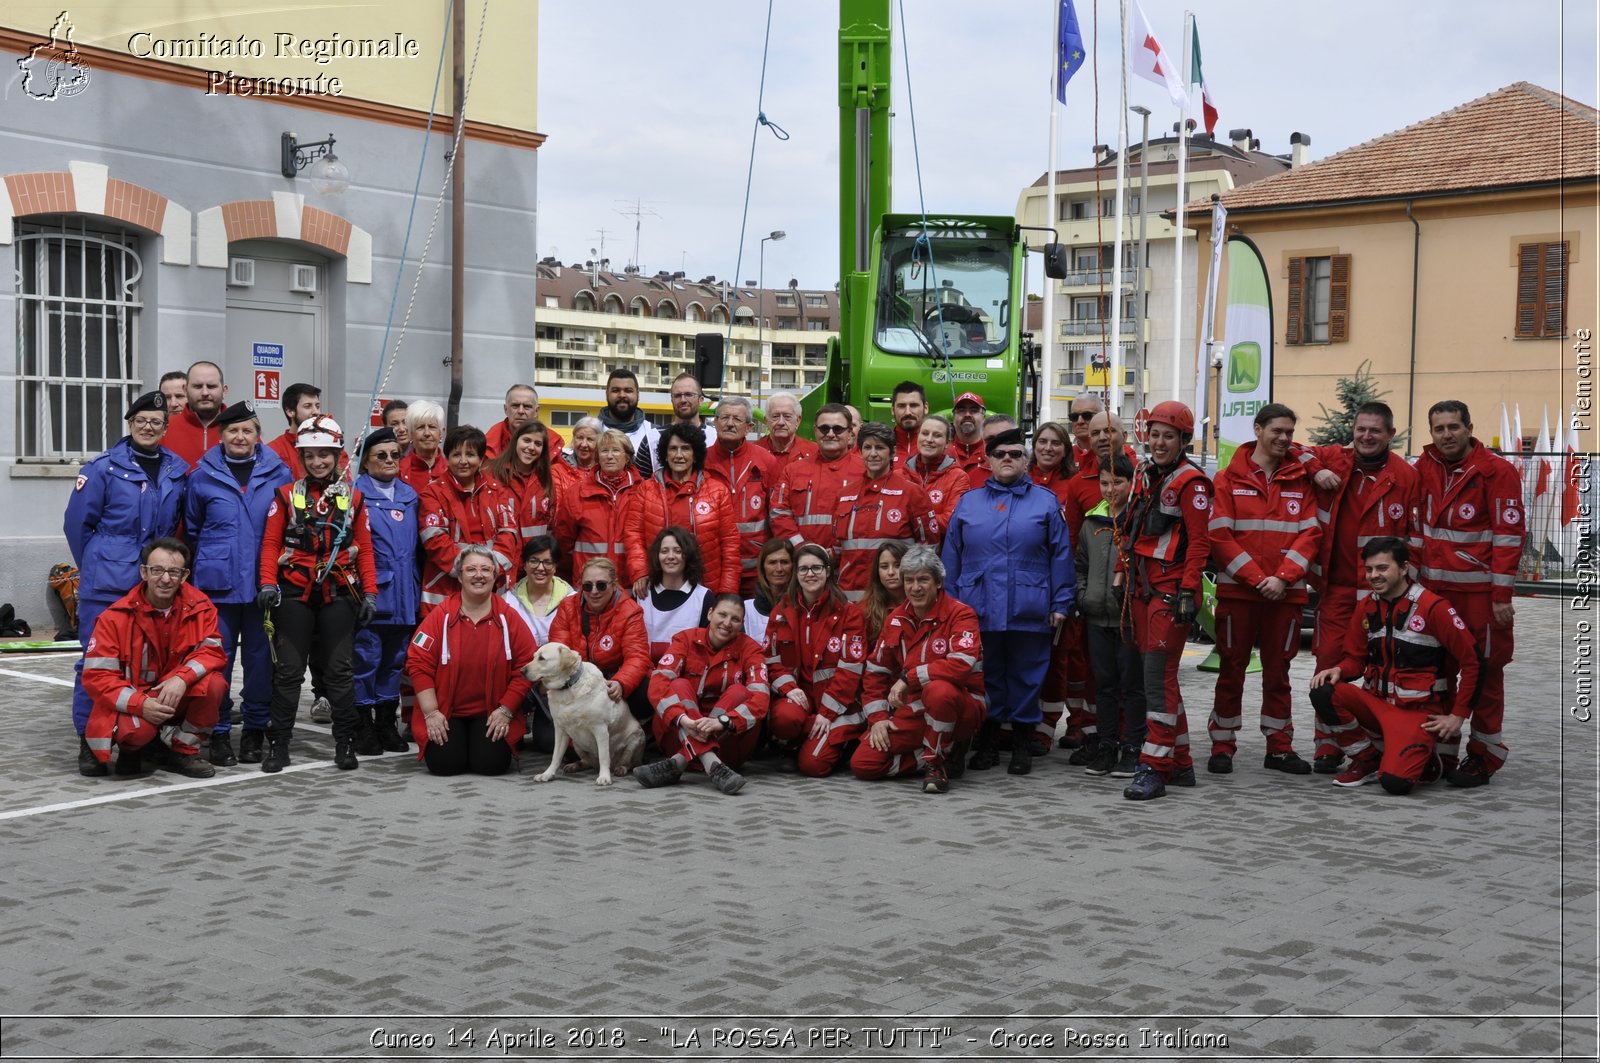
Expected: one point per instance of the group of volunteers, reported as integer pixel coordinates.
(920, 598)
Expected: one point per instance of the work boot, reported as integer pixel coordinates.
(984, 756)
(221, 750)
(1469, 774)
(344, 754)
(1181, 778)
(277, 757)
(1021, 758)
(1220, 764)
(658, 773)
(955, 762)
(322, 711)
(88, 763)
(726, 779)
(1041, 744)
(130, 762)
(1289, 763)
(383, 720)
(1147, 785)
(366, 738)
(192, 765)
(1327, 763)
(250, 742)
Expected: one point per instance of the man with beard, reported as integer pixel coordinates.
(909, 405)
(622, 411)
(687, 396)
(195, 430)
(968, 446)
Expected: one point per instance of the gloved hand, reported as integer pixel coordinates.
(269, 596)
(367, 611)
(1183, 608)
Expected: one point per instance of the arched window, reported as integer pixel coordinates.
(667, 308)
(640, 307)
(613, 304)
(584, 300)
(719, 315)
(694, 312)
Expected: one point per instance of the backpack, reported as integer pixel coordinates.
(64, 580)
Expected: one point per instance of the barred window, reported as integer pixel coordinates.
(77, 317)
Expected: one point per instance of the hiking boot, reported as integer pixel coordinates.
(1220, 764)
(1289, 763)
(1103, 762)
(936, 781)
(192, 765)
(277, 756)
(1146, 785)
(250, 742)
(1468, 774)
(383, 722)
(322, 711)
(1128, 763)
(659, 773)
(366, 738)
(1182, 778)
(129, 762)
(89, 764)
(984, 756)
(1040, 744)
(221, 750)
(344, 754)
(1021, 758)
(1327, 763)
(725, 779)
(1362, 770)
(955, 762)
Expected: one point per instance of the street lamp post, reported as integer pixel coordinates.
(762, 366)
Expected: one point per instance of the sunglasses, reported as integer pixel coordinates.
(595, 586)
(1010, 455)
(386, 455)
(1085, 415)
(831, 429)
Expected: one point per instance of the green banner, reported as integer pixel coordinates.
(1247, 363)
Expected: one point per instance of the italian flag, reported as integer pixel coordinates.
(1208, 107)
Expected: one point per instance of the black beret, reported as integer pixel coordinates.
(239, 411)
(375, 437)
(1000, 439)
(150, 400)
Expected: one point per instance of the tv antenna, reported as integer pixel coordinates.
(636, 210)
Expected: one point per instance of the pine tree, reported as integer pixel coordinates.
(1338, 426)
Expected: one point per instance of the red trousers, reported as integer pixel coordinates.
(195, 717)
(788, 722)
(1070, 680)
(950, 715)
(1336, 608)
(1242, 625)
(1407, 748)
(732, 749)
(1161, 640)
(1495, 647)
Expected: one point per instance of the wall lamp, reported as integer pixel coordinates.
(327, 173)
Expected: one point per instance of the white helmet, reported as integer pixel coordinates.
(320, 431)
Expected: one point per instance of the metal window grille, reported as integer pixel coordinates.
(77, 337)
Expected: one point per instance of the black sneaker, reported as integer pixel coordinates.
(89, 764)
(1084, 755)
(1127, 764)
(250, 743)
(658, 773)
(1182, 778)
(1327, 763)
(936, 781)
(344, 754)
(1103, 762)
(277, 755)
(726, 779)
(1288, 763)
(1469, 774)
(1220, 764)
(220, 751)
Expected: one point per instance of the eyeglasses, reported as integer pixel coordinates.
(831, 429)
(164, 573)
(1082, 415)
(812, 570)
(1009, 455)
(685, 395)
(541, 562)
(149, 422)
(595, 586)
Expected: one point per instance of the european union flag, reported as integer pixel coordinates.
(1072, 52)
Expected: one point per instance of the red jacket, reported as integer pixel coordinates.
(1168, 526)
(442, 648)
(943, 645)
(189, 439)
(871, 513)
(1408, 650)
(302, 533)
(799, 450)
(750, 475)
(418, 475)
(183, 642)
(1263, 526)
(820, 649)
(593, 523)
(449, 517)
(498, 437)
(702, 506)
(1471, 521)
(945, 486)
(905, 444)
(1384, 507)
(533, 509)
(712, 672)
(808, 492)
(973, 458)
(614, 642)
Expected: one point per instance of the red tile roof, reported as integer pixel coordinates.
(1519, 135)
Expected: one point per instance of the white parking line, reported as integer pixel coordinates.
(159, 791)
(52, 680)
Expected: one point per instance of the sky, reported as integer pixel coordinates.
(655, 104)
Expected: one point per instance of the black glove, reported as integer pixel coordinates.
(268, 597)
(1183, 608)
(367, 611)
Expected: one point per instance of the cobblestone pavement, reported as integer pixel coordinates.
(359, 913)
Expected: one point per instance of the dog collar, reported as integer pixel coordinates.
(569, 684)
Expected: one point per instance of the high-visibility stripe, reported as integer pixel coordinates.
(1453, 535)
(110, 664)
(1442, 575)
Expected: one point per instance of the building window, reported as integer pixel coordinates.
(1319, 300)
(583, 301)
(1541, 290)
(1080, 210)
(816, 326)
(784, 298)
(77, 333)
(816, 300)
(613, 304)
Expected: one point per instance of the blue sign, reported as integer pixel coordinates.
(266, 355)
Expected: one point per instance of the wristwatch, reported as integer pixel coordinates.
(722, 718)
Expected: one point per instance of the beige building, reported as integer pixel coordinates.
(1084, 218)
(1456, 255)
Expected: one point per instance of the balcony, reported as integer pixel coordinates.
(588, 346)
(1089, 330)
(1098, 378)
(1078, 279)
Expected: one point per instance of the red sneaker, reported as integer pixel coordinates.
(1362, 770)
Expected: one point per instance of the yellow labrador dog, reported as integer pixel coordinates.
(603, 731)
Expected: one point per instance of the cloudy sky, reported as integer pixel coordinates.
(656, 102)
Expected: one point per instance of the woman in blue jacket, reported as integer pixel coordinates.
(1008, 555)
(129, 496)
(380, 655)
(230, 491)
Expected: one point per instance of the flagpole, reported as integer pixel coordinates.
(1114, 390)
(1047, 362)
(1177, 232)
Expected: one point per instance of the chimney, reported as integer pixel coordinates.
(1102, 152)
(1298, 153)
(1240, 138)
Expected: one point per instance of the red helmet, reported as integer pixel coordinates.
(1174, 413)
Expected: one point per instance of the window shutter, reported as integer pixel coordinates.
(1528, 256)
(1553, 290)
(1296, 301)
(1338, 298)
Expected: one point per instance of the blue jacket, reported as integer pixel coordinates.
(114, 511)
(394, 549)
(1008, 555)
(226, 523)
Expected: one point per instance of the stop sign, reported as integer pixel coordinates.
(1141, 426)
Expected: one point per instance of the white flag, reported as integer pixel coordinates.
(1147, 59)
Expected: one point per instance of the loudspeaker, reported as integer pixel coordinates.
(708, 359)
